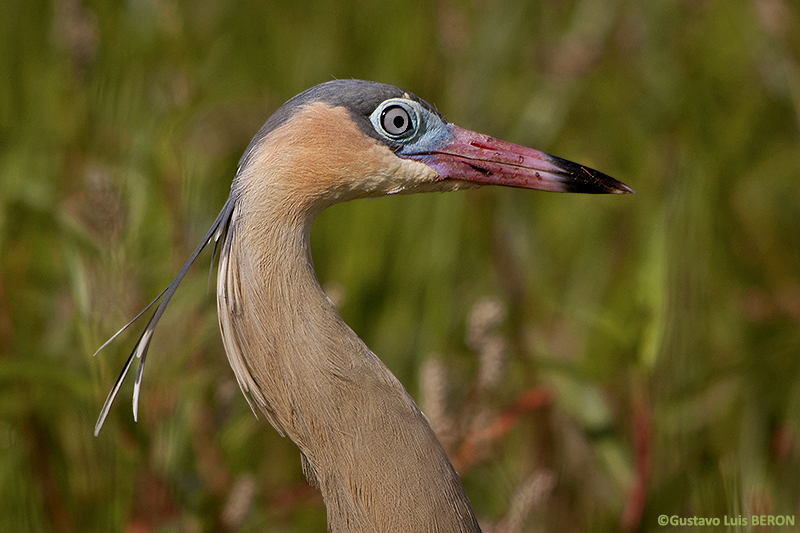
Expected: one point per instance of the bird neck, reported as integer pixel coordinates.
(365, 444)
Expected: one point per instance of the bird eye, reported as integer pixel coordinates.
(395, 120)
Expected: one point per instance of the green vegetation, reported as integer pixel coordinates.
(657, 334)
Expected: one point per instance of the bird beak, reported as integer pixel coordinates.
(477, 158)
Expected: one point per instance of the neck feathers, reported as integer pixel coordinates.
(364, 441)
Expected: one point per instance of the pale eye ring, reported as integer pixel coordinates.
(395, 120)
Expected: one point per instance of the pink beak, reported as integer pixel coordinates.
(478, 158)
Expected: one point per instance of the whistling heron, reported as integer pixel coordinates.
(363, 441)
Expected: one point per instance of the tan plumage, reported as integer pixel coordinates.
(360, 433)
(364, 442)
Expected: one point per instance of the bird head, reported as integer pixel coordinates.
(348, 139)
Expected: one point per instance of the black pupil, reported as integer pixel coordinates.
(395, 120)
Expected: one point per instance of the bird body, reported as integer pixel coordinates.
(363, 441)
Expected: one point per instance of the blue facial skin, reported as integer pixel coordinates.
(427, 133)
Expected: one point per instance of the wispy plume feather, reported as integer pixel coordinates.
(217, 230)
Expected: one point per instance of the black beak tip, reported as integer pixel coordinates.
(622, 189)
(579, 178)
(595, 183)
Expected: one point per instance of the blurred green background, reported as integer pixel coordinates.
(590, 362)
